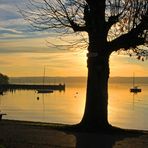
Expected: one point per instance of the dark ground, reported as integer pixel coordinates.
(20, 134)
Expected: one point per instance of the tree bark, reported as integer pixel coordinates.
(96, 108)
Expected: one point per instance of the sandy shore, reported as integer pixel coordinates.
(19, 134)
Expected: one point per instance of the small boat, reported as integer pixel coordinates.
(135, 89)
(44, 91)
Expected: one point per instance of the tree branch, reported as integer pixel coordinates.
(48, 14)
(114, 18)
(131, 39)
(76, 27)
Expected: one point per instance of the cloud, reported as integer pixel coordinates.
(13, 50)
(7, 30)
(8, 11)
(11, 21)
(123, 65)
(4, 63)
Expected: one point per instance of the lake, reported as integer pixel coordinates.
(126, 110)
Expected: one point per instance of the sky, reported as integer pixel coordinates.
(25, 52)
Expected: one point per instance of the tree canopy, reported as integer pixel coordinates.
(123, 20)
(4, 79)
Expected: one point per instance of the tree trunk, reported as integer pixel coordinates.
(96, 108)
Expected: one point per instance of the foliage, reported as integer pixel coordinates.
(4, 79)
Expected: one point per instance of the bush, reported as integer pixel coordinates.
(4, 79)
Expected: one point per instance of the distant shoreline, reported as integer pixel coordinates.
(74, 80)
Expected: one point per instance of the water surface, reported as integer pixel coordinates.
(126, 110)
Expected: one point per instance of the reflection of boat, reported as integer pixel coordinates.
(44, 90)
(135, 89)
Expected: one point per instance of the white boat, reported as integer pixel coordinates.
(135, 89)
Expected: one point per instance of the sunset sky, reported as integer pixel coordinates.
(24, 52)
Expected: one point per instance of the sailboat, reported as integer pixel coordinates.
(135, 89)
(44, 90)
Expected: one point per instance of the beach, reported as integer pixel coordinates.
(22, 134)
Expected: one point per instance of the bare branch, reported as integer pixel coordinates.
(137, 36)
(58, 14)
(129, 25)
(122, 25)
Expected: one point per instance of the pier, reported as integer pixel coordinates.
(5, 87)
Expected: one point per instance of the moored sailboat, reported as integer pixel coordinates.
(135, 89)
(44, 90)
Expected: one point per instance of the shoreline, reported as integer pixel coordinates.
(28, 134)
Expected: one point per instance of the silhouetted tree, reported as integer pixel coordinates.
(111, 25)
(4, 79)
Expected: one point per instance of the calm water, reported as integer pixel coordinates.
(126, 110)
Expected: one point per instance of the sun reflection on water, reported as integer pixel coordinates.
(125, 109)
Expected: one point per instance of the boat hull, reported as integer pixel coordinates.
(135, 90)
(44, 91)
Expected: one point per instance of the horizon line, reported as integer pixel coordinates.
(73, 76)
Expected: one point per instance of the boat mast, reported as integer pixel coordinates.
(133, 79)
(44, 76)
